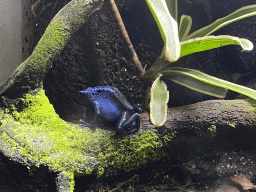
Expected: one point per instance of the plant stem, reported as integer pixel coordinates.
(126, 37)
(160, 64)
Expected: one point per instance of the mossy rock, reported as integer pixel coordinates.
(37, 136)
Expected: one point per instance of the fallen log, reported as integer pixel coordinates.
(232, 113)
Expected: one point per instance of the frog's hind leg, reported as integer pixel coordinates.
(125, 124)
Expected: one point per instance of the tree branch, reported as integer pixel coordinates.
(29, 74)
(230, 113)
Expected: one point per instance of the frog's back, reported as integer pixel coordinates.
(110, 100)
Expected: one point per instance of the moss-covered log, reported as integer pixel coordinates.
(29, 75)
(36, 136)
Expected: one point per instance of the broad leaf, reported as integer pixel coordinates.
(198, 85)
(158, 102)
(168, 28)
(173, 8)
(211, 42)
(185, 26)
(241, 13)
(178, 73)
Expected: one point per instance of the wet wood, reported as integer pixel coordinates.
(232, 113)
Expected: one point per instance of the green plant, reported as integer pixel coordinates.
(178, 43)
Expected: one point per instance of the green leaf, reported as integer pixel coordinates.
(173, 8)
(158, 102)
(185, 26)
(241, 13)
(211, 42)
(198, 85)
(168, 28)
(178, 73)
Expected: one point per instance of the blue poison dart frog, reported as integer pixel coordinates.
(110, 104)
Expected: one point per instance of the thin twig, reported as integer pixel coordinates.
(126, 37)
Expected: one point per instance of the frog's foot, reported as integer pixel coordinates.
(136, 109)
(133, 131)
(83, 123)
(130, 131)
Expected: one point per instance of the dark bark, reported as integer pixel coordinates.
(238, 113)
(233, 120)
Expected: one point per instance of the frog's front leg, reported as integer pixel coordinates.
(125, 124)
(83, 123)
(95, 118)
(92, 124)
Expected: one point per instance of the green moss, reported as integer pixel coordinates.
(45, 138)
(77, 13)
(52, 42)
(252, 103)
(9, 140)
(41, 136)
(248, 105)
(212, 130)
(80, 18)
(229, 106)
(169, 137)
(127, 154)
